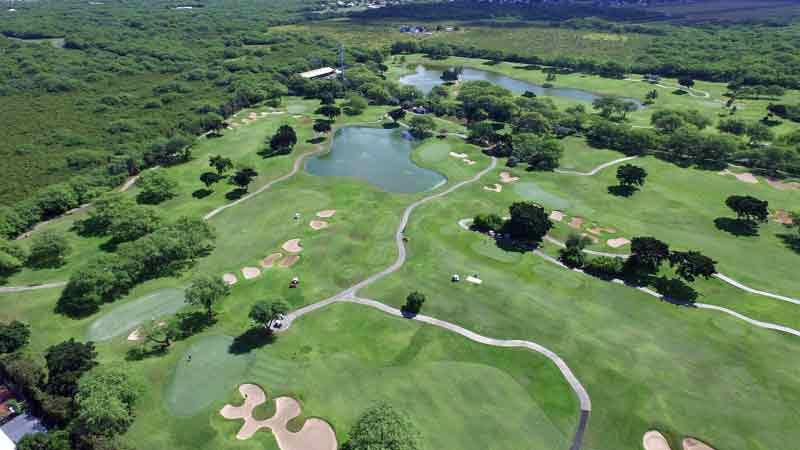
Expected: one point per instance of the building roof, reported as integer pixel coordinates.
(5, 442)
(20, 426)
(323, 71)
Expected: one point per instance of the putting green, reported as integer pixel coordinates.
(532, 191)
(211, 374)
(435, 151)
(125, 318)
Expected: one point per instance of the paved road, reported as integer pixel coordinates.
(741, 286)
(596, 169)
(11, 289)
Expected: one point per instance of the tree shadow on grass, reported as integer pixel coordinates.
(236, 194)
(621, 191)
(250, 340)
(791, 240)
(514, 245)
(737, 227)
(317, 140)
(202, 193)
(193, 322)
(675, 291)
(141, 353)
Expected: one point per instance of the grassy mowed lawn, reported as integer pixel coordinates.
(644, 362)
(579, 157)
(340, 360)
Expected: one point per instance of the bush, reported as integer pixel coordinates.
(155, 186)
(487, 222)
(48, 249)
(604, 267)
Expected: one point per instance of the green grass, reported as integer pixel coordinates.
(579, 157)
(644, 362)
(125, 318)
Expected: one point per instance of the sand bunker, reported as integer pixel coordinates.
(326, 213)
(316, 434)
(746, 177)
(653, 440)
(250, 272)
(292, 246)
(458, 155)
(782, 185)
(495, 188)
(590, 237)
(289, 261)
(694, 444)
(229, 279)
(505, 177)
(576, 222)
(270, 260)
(318, 224)
(135, 335)
(617, 242)
(469, 162)
(558, 216)
(600, 230)
(783, 217)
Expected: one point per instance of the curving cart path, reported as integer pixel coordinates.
(349, 296)
(11, 289)
(596, 169)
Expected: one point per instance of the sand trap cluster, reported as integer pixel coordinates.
(250, 272)
(327, 213)
(289, 261)
(318, 224)
(783, 217)
(136, 335)
(494, 188)
(782, 185)
(505, 177)
(653, 440)
(617, 242)
(316, 434)
(229, 279)
(292, 246)
(270, 260)
(746, 177)
(558, 216)
(694, 444)
(458, 155)
(576, 222)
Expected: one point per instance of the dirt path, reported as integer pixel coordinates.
(596, 169)
(12, 289)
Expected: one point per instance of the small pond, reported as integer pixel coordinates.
(379, 156)
(425, 78)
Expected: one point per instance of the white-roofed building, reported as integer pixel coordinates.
(5, 442)
(322, 72)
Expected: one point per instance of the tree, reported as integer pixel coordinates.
(12, 257)
(48, 249)
(647, 254)
(105, 400)
(283, 141)
(539, 152)
(209, 178)
(630, 175)
(155, 186)
(397, 114)
(414, 302)
(133, 223)
(421, 126)
(52, 440)
(220, 163)
(488, 222)
(692, 264)
(322, 126)
(383, 427)
(759, 133)
(604, 267)
(161, 333)
(206, 291)
(529, 222)
(482, 132)
(748, 208)
(13, 336)
(355, 105)
(572, 254)
(733, 126)
(452, 74)
(532, 122)
(329, 111)
(66, 362)
(243, 177)
(264, 313)
(612, 106)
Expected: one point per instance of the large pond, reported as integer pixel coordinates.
(426, 78)
(380, 156)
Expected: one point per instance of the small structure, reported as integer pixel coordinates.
(455, 278)
(474, 279)
(294, 283)
(297, 216)
(322, 72)
(419, 110)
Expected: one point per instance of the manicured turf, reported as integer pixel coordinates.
(340, 360)
(205, 374)
(124, 318)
